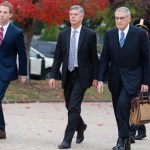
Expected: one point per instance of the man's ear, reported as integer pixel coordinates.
(82, 18)
(11, 15)
(129, 19)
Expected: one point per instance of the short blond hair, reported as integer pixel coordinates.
(7, 4)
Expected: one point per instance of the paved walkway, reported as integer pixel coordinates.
(40, 126)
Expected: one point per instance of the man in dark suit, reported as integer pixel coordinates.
(126, 57)
(76, 50)
(140, 129)
(11, 44)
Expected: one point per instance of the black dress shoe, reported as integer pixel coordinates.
(140, 136)
(132, 139)
(64, 145)
(122, 144)
(80, 134)
(127, 144)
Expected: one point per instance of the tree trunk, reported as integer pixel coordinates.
(28, 28)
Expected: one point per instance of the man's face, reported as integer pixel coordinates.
(122, 20)
(75, 18)
(5, 15)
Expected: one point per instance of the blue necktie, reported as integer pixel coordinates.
(122, 39)
(72, 52)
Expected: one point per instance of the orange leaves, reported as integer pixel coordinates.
(91, 7)
(45, 10)
(51, 11)
(103, 4)
(23, 9)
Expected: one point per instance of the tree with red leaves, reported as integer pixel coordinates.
(27, 12)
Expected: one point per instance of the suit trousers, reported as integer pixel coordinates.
(3, 87)
(74, 93)
(122, 105)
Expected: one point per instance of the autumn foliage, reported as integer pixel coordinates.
(53, 10)
(27, 12)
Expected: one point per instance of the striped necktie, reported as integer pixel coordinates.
(1, 35)
(122, 39)
(72, 52)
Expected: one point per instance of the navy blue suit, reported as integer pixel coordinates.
(128, 69)
(13, 44)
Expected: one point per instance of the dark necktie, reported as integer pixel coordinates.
(72, 52)
(1, 35)
(122, 39)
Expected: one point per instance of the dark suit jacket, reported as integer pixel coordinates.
(130, 63)
(13, 44)
(87, 56)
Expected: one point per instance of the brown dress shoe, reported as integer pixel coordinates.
(2, 134)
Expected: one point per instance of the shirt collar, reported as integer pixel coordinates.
(78, 29)
(125, 31)
(6, 26)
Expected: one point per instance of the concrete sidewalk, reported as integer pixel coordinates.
(40, 126)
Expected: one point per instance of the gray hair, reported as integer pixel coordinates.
(123, 9)
(77, 7)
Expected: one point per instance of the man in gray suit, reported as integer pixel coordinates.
(126, 57)
(76, 50)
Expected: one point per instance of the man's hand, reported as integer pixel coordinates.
(22, 79)
(94, 83)
(144, 88)
(52, 83)
(100, 87)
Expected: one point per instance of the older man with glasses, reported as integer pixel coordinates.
(126, 57)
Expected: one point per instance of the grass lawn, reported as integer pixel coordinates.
(38, 90)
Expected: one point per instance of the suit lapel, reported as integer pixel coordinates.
(8, 32)
(129, 37)
(81, 37)
(115, 39)
(116, 45)
(68, 39)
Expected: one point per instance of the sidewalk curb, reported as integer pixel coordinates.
(47, 101)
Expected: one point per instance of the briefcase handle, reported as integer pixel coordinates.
(144, 96)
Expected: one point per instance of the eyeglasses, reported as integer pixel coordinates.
(120, 18)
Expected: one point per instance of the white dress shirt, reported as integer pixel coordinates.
(125, 32)
(5, 29)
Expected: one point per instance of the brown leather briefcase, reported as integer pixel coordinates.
(140, 110)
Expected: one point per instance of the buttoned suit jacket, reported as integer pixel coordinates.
(87, 56)
(13, 44)
(129, 63)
